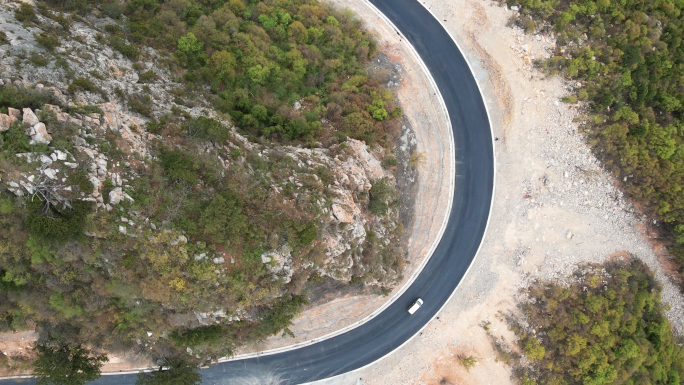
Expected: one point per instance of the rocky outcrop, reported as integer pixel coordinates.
(343, 174)
(352, 168)
(279, 262)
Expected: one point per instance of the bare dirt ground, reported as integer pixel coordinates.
(554, 207)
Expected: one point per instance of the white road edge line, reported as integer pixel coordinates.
(491, 203)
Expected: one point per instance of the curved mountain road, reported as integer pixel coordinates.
(473, 192)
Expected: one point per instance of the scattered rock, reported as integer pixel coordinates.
(116, 196)
(55, 109)
(46, 160)
(50, 173)
(61, 155)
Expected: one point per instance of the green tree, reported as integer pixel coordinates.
(189, 44)
(174, 372)
(66, 365)
(258, 74)
(223, 63)
(534, 350)
(223, 218)
(192, 49)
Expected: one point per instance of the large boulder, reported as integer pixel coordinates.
(116, 196)
(55, 109)
(40, 135)
(6, 121)
(30, 118)
(14, 112)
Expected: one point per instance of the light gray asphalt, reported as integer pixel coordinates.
(465, 229)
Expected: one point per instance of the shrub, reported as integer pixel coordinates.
(3, 38)
(65, 306)
(467, 362)
(141, 104)
(174, 372)
(606, 328)
(203, 335)
(14, 140)
(279, 316)
(38, 60)
(126, 49)
(156, 126)
(114, 30)
(222, 217)
(179, 166)
(381, 193)
(390, 162)
(50, 223)
(80, 179)
(66, 365)
(48, 40)
(82, 84)
(11, 96)
(113, 9)
(25, 12)
(207, 129)
(307, 234)
(147, 77)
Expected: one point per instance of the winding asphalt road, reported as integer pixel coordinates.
(445, 269)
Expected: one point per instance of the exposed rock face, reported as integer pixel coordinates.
(345, 214)
(352, 169)
(341, 190)
(367, 161)
(279, 262)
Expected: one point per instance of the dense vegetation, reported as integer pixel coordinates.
(606, 328)
(260, 57)
(69, 269)
(629, 58)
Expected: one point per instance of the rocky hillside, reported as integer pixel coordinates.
(130, 202)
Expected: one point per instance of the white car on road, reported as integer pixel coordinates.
(415, 306)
